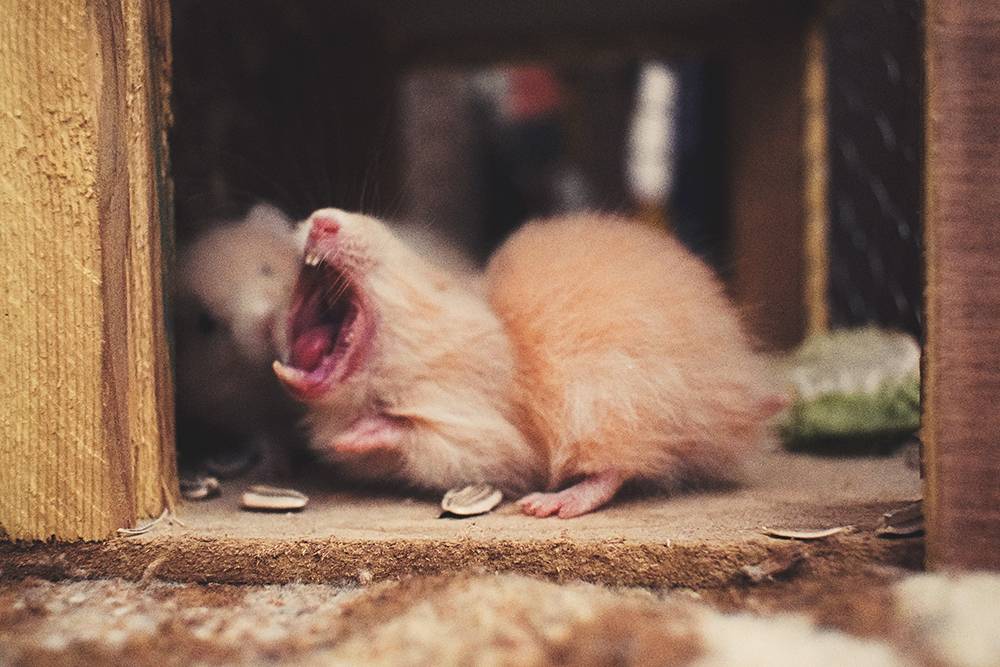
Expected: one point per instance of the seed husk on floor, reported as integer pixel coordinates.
(779, 565)
(200, 488)
(905, 521)
(805, 533)
(471, 500)
(263, 498)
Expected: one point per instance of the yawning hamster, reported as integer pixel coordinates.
(232, 279)
(592, 352)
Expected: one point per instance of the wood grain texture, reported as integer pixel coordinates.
(151, 425)
(82, 407)
(961, 428)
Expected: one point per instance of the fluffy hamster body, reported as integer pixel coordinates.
(631, 362)
(232, 280)
(595, 351)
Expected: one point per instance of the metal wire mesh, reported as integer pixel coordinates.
(875, 96)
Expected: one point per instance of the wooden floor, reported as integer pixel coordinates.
(696, 540)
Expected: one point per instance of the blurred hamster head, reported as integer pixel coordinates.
(235, 277)
(232, 280)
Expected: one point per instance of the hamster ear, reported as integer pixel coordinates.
(269, 217)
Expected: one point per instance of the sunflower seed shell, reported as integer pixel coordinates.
(805, 534)
(200, 488)
(263, 498)
(470, 500)
(775, 566)
(902, 522)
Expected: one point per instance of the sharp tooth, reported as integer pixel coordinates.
(287, 374)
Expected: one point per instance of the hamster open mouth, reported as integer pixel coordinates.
(329, 332)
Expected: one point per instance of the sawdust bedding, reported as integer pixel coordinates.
(877, 617)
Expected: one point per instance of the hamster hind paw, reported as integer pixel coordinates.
(585, 496)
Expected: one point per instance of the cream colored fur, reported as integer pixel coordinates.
(630, 357)
(441, 361)
(598, 345)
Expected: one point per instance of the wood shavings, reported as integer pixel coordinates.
(471, 500)
(149, 572)
(906, 521)
(779, 565)
(145, 528)
(262, 498)
(805, 533)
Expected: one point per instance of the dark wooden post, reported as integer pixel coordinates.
(961, 427)
(767, 126)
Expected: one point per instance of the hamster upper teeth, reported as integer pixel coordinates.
(312, 259)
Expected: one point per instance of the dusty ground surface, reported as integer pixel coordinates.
(378, 579)
(782, 490)
(877, 616)
(697, 540)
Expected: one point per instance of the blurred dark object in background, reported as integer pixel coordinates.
(697, 205)
(290, 103)
(876, 117)
(307, 105)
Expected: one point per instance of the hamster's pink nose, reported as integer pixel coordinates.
(323, 227)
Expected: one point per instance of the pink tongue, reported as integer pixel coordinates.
(310, 346)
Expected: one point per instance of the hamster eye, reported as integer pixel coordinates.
(267, 270)
(207, 325)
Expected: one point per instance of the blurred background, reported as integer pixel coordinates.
(473, 117)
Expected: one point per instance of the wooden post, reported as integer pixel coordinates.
(86, 423)
(816, 231)
(961, 429)
(766, 116)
